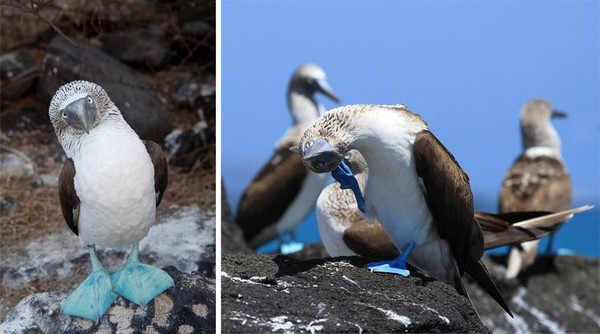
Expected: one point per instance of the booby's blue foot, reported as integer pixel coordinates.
(397, 266)
(94, 296)
(291, 246)
(344, 176)
(138, 282)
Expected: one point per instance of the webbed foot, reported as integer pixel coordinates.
(396, 266)
(139, 282)
(93, 296)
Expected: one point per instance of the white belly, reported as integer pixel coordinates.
(114, 181)
(331, 226)
(398, 203)
(302, 204)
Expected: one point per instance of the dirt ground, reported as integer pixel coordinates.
(25, 130)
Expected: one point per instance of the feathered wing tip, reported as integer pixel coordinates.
(477, 270)
(552, 219)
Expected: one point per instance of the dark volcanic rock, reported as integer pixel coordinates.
(132, 94)
(273, 293)
(556, 295)
(232, 237)
(18, 71)
(188, 307)
(138, 46)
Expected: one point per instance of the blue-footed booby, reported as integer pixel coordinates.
(415, 188)
(345, 233)
(283, 192)
(538, 180)
(109, 188)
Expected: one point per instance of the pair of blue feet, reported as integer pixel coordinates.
(344, 176)
(135, 281)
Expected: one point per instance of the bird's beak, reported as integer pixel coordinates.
(82, 115)
(323, 87)
(558, 114)
(319, 154)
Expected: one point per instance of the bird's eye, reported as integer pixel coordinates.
(348, 156)
(308, 144)
(89, 100)
(310, 81)
(63, 114)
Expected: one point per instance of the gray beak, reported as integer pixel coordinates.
(81, 114)
(323, 87)
(558, 114)
(319, 153)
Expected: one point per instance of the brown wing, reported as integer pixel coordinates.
(449, 198)
(69, 201)
(535, 184)
(498, 229)
(369, 239)
(271, 191)
(450, 202)
(161, 168)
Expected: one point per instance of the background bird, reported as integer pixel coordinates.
(538, 180)
(415, 188)
(345, 233)
(283, 192)
(109, 188)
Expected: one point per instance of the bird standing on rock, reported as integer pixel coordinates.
(109, 188)
(538, 180)
(415, 189)
(283, 192)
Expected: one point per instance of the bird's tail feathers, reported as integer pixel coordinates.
(477, 270)
(553, 219)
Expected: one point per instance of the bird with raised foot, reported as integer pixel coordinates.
(415, 189)
(109, 188)
(345, 233)
(538, 180)
(283, 192)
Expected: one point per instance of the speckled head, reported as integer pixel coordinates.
(77, 108)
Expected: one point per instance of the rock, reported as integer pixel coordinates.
(138, 46)
(15, 166)
(18, 70)
(188, 307)
(45, 180)
(183, 237)
(198, 29)
(6, 204)
(132, 94)
(272, 293)
(556, 295)
(25, 119)
(232, 237)
(184, 147)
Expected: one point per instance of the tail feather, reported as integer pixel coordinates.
(477, 270)
(553, 219)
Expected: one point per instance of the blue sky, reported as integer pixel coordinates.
(466, 67)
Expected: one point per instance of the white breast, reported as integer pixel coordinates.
(115, 184)
(331, 225)
(393, 194)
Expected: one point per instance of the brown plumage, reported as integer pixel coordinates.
(538, 180)
(262, 205)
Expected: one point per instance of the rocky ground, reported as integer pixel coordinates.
(157, 62)
(311, 292)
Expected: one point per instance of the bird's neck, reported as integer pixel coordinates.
(538, 136)
(383, 136)
(303, 107)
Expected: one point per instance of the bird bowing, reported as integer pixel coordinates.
(109, 188)
(415, 189)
